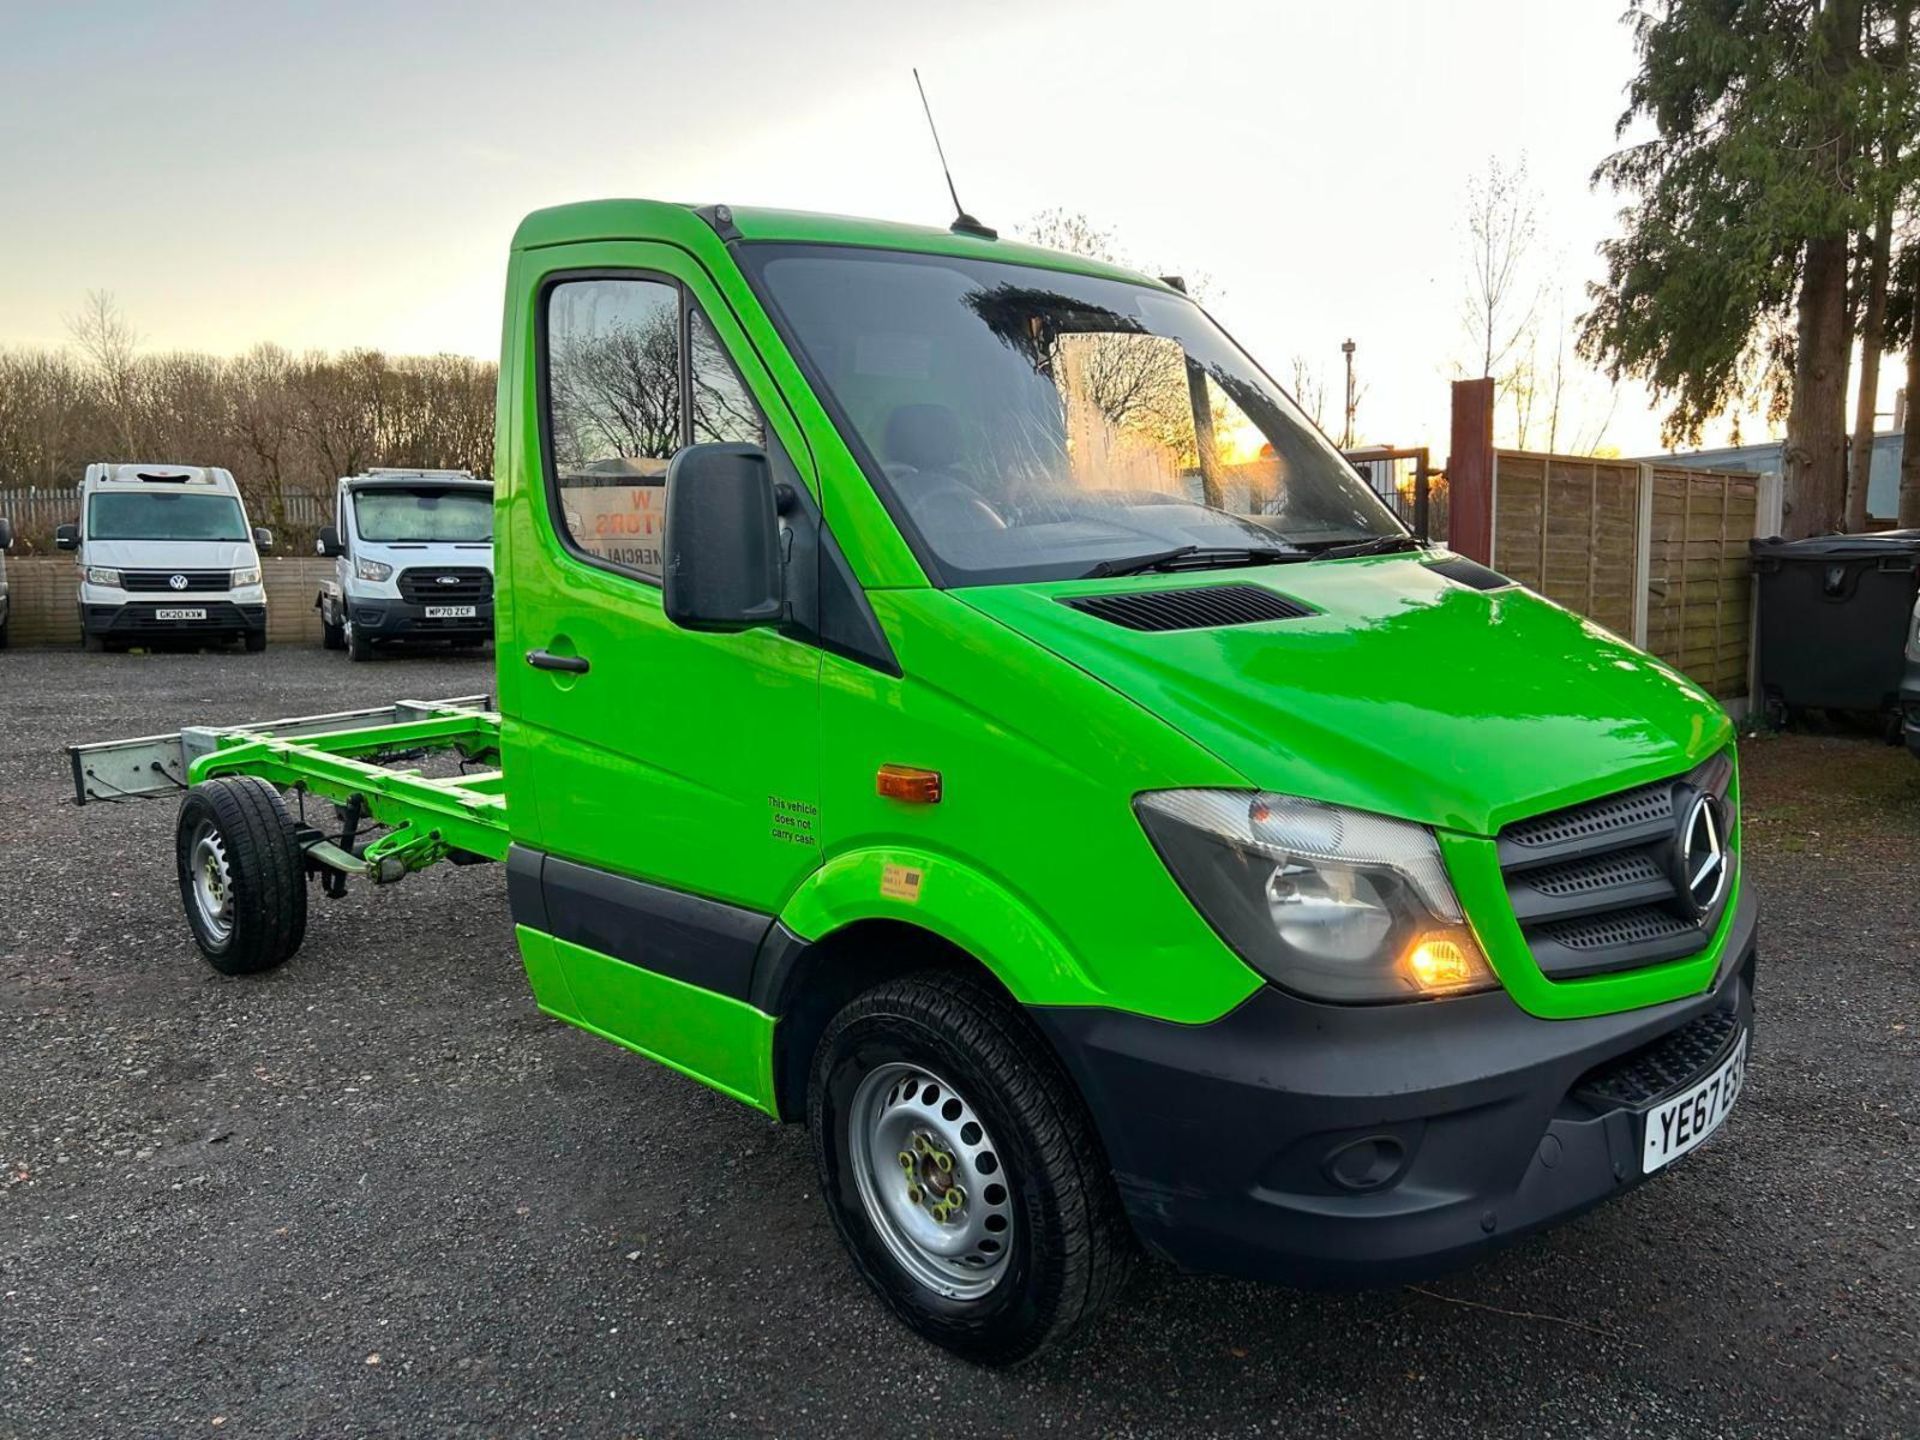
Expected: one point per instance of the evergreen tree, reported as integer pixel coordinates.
(1782, 128)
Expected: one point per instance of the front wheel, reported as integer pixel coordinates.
(256, 641)
(358, 646)
(962, 1170)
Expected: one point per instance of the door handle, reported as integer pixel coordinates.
(546, 660)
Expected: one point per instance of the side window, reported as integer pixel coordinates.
(615, 415)
(722, 408)
(634, 372)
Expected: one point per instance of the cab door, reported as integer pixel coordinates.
(666, 782)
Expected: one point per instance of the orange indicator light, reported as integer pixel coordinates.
(1440, 963)
(904, 782)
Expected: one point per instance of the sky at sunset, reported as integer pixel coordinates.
(339, 174)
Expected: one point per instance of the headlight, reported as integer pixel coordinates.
(103, 575)
(372, 569)
(1331, 903)
(248, 576)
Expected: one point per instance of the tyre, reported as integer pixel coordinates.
(3, 631)
(962, 1170)
(242, 877)
(332, 637)
(358, 646)
(256, 641)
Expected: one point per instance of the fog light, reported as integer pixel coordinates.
(1444, 963)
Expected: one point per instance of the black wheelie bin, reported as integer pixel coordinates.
(1834, 612)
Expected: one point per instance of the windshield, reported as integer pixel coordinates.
(1029, 424)
(391, 516)
(164, 515)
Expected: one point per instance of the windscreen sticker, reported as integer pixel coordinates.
(792, 820)
(901, 882)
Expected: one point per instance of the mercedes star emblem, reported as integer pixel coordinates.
(1702, 853)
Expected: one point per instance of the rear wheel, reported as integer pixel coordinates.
(962, 1170)
(242, 877)
(333, 636)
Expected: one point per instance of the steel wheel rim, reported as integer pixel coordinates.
(947, 1216)
(211, 880)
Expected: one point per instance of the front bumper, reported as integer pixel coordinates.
(1343, 1146)
(139, 619)
(402, 620)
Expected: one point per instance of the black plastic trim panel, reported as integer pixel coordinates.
(689, 938)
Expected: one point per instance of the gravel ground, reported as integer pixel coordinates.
(377, 1193)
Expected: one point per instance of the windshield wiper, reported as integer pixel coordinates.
(1191, 557)
(1383, 545)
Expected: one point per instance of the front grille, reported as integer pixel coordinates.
(458, 585)
(1205, 607)
(162, 580)
(1597, 887)
(1657, 1069)
(1622, 927)
(1647, 805)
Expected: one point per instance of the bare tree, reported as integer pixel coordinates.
(1308, 386)
(108, 341)
(1500, 312)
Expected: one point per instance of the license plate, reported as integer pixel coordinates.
(175, 612)
(1683, 1122)
(451, 612)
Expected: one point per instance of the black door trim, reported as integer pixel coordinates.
(689, 938)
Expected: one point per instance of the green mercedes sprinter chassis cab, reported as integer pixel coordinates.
(950, 697)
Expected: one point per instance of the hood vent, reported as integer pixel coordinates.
(1470, 573)
(1203, 608)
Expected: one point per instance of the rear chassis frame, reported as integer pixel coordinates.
(462, 818)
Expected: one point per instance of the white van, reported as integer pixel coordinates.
(166, 554)
(412, 560)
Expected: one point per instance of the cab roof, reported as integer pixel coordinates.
(415, 479)
(689, 227)
(142, 472)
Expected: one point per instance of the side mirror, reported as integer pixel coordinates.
(6, 533)
(262, 538)
(329, 542)
(721, 540)
(67, 537)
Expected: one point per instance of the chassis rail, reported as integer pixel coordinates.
(461, 817)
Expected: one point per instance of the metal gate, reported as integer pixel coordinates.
(1404, 480)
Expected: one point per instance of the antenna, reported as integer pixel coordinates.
(964, 224)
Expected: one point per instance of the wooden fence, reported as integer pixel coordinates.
(46, 608)
(1656, 553)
